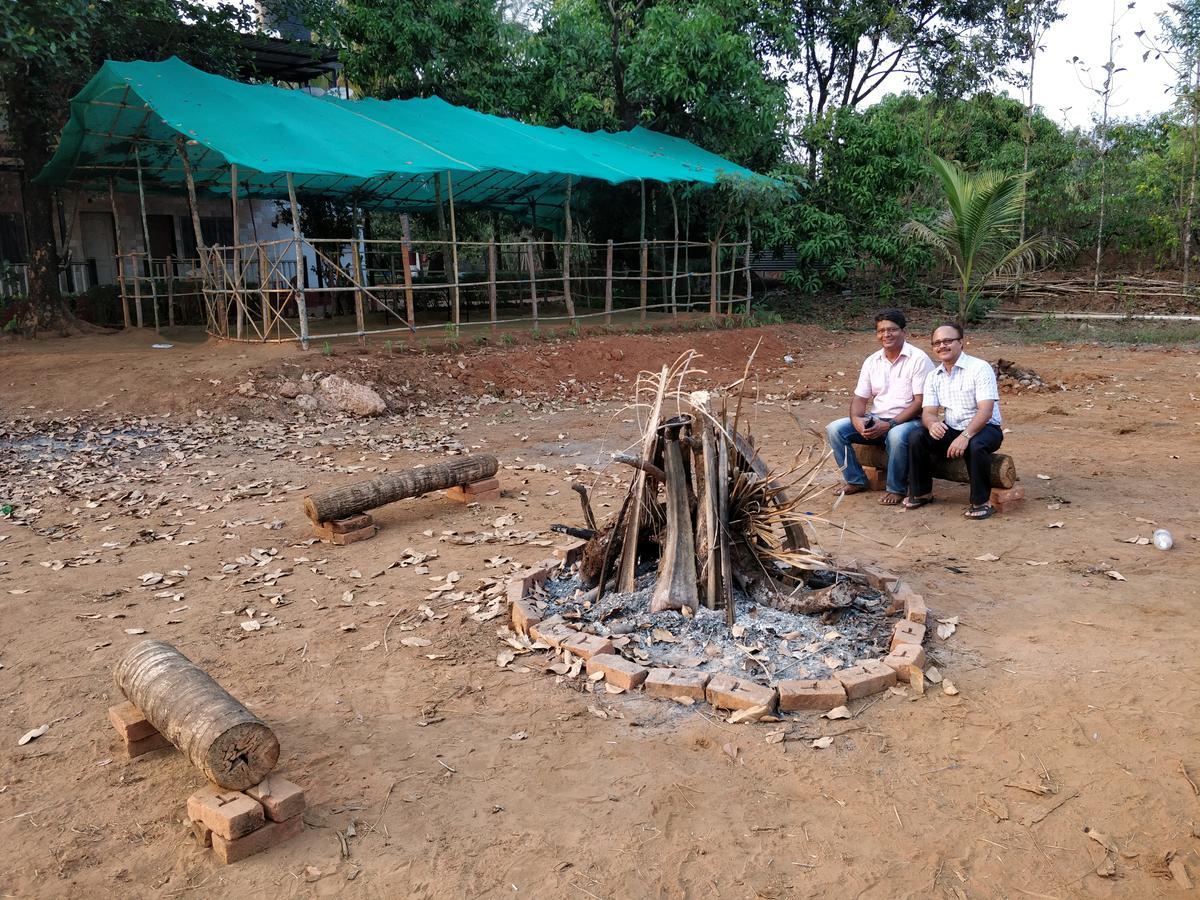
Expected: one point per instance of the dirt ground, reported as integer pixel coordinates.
(1078, 692)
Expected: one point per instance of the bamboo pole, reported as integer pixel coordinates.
(137, 289)
(181, 147)
(674, 252)
(356, 263)
(645, 272)
(491, 266)
(454, 296)
(732, 274)
(112, 197)
(713, 279)
(237, 253)
(566, 260)
(406, 261)
(532, 279)
(137, 155)
(608, 284)
(301, 305)
(169, 275)
(264, 292)
(749, 287)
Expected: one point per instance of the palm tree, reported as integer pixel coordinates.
(979, 235)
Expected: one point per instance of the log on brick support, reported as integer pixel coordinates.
(351, 499)
(1004, 469)
(230, 745)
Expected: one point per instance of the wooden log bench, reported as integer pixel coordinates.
(1006, 496)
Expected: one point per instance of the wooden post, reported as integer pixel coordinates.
(674, 252)
(722, 536)
(608, 284)
(237, 252)
(169, 274)
(712, 279)
(453, 250)
(137, 289)
(112, 197)
(356, 263)
(406, 261)
(749, 286)
(566, 260)
(137, 155)
(491, 265)
(732, 275)
(532, 279)
(264, 292)
(181, 147)
(301, 306)
(645, 272)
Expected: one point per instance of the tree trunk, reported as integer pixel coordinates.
(676, 587)
(1004, 469)
(351, 499)
(224, 740)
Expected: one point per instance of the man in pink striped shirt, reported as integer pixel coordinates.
(891, 383)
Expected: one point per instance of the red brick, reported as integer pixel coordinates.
(907, 632)
(1006, 501)
(231, 851)
(477, 491)
(524, 616)
(353, 537)
(618, 670)
(156, 741)
(671, 683)
(552, 631)
(869, 677)
(876, 478)
(879, 579)
(280, 798)
(327, 530)
(587, 645)
(526, 580)
(727, 692)
(808, 694)
(131, 725)
(570, 551)
(915, 609)
(904, 657)
(230, 814)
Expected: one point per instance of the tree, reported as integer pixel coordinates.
(977, 234)
(48, 50)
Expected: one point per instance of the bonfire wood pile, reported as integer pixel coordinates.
(704, 509)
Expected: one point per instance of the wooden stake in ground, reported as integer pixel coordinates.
(352, 499)
(676, 586)
(229, 744)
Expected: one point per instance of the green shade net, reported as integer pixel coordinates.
(377, 153)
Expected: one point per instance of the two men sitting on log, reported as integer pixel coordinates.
(965, 389)
(891, 381)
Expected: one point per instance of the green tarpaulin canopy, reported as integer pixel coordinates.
(375, 152)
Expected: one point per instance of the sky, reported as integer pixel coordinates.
(1143, 89)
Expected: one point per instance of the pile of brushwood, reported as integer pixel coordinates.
(705, 511)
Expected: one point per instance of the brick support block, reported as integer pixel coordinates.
(618, 671)
(552, 631)
(809, 694)
(1007, 501)
(586, 646)
(147, 745)
(904, 657)
(230, 814)
(907, 632)
(524, 616)
(131, 725)
(667, 684)
(270, 834)
(727, 692)
(867, 678)
(880, 579)
(527, 579)
(487, 490)
(280, 798)
(915, 609)
(570, 551)
(336, 530)
(876, 478)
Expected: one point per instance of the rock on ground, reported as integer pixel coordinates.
(355, 399)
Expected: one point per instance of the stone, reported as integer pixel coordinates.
(586, 646)
(618, 671)
(269, 835)
(289, 390)
(524, 616)
(667, 684)
(131, 725)
(230, 814)
(552, 631)
(306, 402)
(280, 798)
(570, 551)
(876, 478)
(347, 397)
(907, 632)
(728, 692)
(867, 678)
(806, 694)
(149, 744)
(903, 657)
(1007, 501)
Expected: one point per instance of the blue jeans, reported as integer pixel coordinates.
(841, 434)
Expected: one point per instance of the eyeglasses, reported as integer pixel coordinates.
(946, 342)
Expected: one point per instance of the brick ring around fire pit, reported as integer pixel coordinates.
(904, 661)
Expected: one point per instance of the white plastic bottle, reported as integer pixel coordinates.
(1162, 539)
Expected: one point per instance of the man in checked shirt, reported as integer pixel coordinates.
(965, 389)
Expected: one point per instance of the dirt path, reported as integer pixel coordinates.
(1071, 683)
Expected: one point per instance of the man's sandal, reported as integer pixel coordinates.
(891, 499)
(847, 489)
(916, 502)
(983, 511)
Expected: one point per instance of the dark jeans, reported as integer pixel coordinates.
(924, 447)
